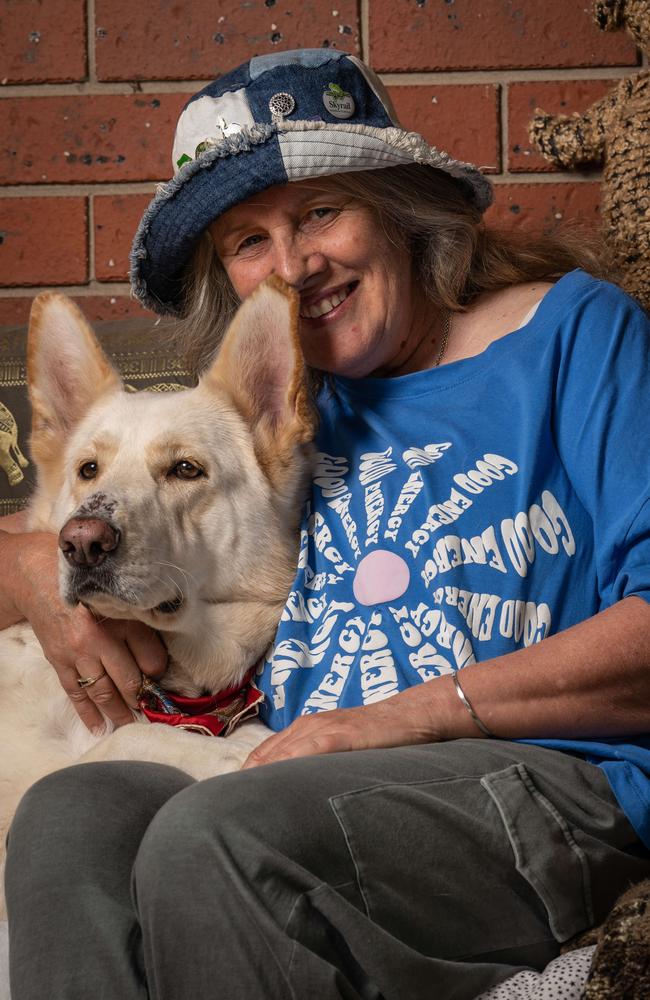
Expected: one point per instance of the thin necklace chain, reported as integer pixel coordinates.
(446, 326)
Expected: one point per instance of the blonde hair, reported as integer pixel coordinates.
(455, 255)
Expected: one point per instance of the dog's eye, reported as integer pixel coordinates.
(88, 470)
(186, 470)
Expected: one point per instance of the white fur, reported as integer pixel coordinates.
(227, 542)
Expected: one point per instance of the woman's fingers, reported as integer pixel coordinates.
(328, 732)
(396, 721)
(119, 666)
(86, 710)
(110, 677)
(116, 653)
(126, 650)
(115, 682)
(147, 648)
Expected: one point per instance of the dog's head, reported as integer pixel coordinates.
(178, 509)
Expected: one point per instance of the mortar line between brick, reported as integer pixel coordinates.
(90, 215)
(95, 88)
(80, 190)
(510, 177)
(90, 40)
(117, 88)
(506, 76)
(71, 191)
(365, 30)
(503, 110)
(117, 288)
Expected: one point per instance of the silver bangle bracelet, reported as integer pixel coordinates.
(463, 697)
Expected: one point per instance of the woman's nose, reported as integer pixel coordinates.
(296, 263)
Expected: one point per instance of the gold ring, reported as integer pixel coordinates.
(86, 682)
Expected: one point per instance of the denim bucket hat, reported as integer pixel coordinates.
(277, 118)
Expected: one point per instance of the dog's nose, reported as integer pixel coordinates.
(86, 541)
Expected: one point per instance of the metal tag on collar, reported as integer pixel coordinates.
(281, 105)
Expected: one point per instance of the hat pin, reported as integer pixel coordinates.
(281, 105)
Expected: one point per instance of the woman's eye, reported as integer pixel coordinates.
(88, 470)
(322, 213)
(186, 470)
(250, 241)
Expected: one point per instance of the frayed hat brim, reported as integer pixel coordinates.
(235, 167)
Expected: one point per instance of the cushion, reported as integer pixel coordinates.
(139, 347)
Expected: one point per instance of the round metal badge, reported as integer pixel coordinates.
(281, 105)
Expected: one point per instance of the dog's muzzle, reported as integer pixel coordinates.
(87, 541)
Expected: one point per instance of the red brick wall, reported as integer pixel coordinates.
(90, 91)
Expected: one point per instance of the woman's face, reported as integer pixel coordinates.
(360, 312)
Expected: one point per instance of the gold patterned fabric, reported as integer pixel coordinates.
(139, 350)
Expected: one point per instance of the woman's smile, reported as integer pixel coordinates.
(326, 305)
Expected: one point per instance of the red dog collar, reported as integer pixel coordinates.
(213, 715)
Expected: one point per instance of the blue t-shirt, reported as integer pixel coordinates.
(466, 511)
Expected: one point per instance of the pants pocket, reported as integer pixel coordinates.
(545, 850)
(435, 869)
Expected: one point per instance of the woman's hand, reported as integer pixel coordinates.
(116, 652)
(590, 681)
(398, 721)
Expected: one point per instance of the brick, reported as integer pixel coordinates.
(14, 310)
(462, 120)
(87, 138)
(203, 40)
(545, 207)
(555, 97)
(116, 218)
(463, 34)
(43, 42)
(44, 241)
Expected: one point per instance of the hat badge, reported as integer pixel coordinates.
(281, 105)
(228, 128)
(338, 102)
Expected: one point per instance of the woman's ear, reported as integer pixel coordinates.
(66, 371)
(260, 364)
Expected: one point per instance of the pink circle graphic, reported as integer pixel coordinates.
(381, 576)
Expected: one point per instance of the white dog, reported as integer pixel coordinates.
(180, 510)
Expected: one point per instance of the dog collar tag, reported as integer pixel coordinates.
(338, 102)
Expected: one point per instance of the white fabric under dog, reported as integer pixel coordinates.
(563, 979)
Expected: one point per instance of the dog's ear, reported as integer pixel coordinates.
(66, 371)
(260, 363)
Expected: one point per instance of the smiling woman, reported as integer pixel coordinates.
(458, 781)
(406, 222)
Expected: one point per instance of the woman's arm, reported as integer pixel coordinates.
(9, 613)
(592, 680)
(117, 652)
(14, 523)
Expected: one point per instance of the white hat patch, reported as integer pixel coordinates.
(209, 118)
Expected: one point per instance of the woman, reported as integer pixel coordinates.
(479, 503)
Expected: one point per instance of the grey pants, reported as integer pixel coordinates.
(411, 873)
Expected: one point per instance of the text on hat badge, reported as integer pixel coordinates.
(338, 102)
